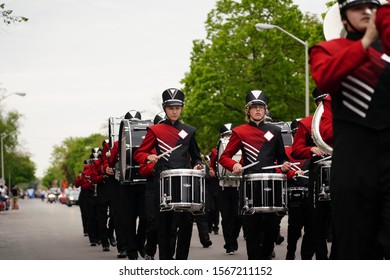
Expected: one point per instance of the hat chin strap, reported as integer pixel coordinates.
(361, 34)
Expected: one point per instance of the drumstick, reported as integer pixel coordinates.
(323, 159)
(205, 161)
(280, 165)
(250, 165)
(168, 152)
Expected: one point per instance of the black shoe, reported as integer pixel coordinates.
(142, 253)
(215, 230)
(148, 258)
(93, 243)
(230, 252)
(85, 233)
(106, 248)
(279, 240)
(113, 242)
(207, 243)
(121, 255)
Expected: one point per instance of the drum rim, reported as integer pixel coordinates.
(298, 188)
(181, 171)
(265, 176)
(325, 163)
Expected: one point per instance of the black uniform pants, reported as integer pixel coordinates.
(92, 216)
(117, 212)
(83, 200)
(152, 210)
(133, 202)
(203, 228)
(299, 217)
(260, 234)
(103, 204)
(212, 210)
(174, 231)
(360, 190)
(231, 221)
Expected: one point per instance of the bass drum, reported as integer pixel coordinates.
(113, 129)
(226, 177)
(131, 134)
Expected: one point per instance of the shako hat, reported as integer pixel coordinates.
(172, 97)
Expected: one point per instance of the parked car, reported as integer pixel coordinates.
(73, 197)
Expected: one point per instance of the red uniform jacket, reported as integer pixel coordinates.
(382, 22)
(213, 160)
(356, 78)
(303, 141)
(261, 143)
(146, 169)
(165, 136)
(113, 158)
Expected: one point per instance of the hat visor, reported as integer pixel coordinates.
(173, 103)
(255, 102)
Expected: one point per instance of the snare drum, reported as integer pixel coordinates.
(131, 134)
(297, 191)
(182, 190)
(322, 182)
(264, 193)
(226, 178)
(296, 196)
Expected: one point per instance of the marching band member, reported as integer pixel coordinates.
(129, 201)
(212, 189)
(356, 73)
(304, 148)
(262, 142)
(152, 200)
(298, 214)
(228, 199)
(109, 156)
(165, 136)
(102, 197)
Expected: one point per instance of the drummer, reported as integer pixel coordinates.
(259, 142)
(164, 136)
(228, 199)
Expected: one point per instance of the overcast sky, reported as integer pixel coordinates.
(81, 62)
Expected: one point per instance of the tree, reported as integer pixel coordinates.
(67, 159)
(235, 58)
(7, 16)
(18, 165)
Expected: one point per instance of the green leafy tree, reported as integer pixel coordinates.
(235, 58)
(17, 164)
(67, 159)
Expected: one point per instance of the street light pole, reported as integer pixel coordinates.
(266, 26)
(2, 157)
(4, 96)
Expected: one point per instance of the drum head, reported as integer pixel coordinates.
(265, 176)
(131, 134)
(223, 173)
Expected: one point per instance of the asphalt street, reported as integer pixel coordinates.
(53, 231)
